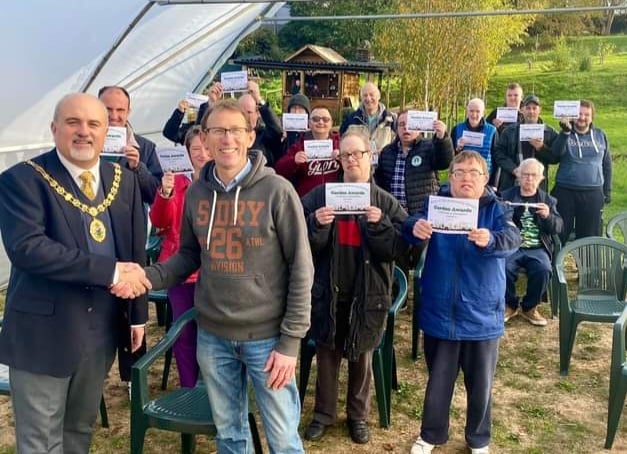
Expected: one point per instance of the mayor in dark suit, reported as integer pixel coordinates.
(73, 229)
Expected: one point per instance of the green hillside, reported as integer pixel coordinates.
(604, 84)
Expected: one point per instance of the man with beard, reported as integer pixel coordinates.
(583, 183)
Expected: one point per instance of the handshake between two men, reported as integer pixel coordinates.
(130, 281)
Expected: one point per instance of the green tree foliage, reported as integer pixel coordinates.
(262, 42)
(344, 36)
(442, 62)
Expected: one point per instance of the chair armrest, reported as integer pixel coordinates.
(401, 296)
(618, 344)
(139, 370)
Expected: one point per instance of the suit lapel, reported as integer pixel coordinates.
(118, 210)
(56, 170)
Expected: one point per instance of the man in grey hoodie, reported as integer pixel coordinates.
(583, 183)
(243, 228)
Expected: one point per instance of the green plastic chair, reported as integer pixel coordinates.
(415, 319)
(383, 358)
(618, 379)
(184, 410)
(5, 389)
(598, 295)
(617, 223)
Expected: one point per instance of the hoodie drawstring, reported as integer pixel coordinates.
(237, 190)
(213, 214)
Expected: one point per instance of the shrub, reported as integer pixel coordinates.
(560, 56)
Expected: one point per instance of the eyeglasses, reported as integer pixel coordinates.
(316, 119)
(356, 155)
(238, 131)
(460, 174)
(529, 175)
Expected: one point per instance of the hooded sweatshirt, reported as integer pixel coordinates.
(585, 160)
(251, 246)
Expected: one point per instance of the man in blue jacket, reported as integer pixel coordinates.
(462, 314)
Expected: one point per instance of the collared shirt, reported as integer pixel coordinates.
(397, 185)
(76, 171)
(238, 178)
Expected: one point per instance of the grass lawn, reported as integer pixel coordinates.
(534, 409)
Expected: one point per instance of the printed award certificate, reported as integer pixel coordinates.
(348, 198)
(451, 215)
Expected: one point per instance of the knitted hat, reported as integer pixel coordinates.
(299, 100)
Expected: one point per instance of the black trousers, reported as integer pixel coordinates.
(477, 359)
(581, 211)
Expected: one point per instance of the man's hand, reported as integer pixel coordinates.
(481, 237)
(497, 122)
(132, 281)
(536, 143)
(324, 215)
(373, 214)
(137, 337)
(132, 156)
(253, 90)
(422, 229)
(183, 105)
(440, 129)
(300, 157)
(565, 124)
(215, 92)
(281, 370)
(542, 209)
(167, 184)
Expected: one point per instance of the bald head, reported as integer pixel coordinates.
(79, 127)
(249, 106)
(80, 98)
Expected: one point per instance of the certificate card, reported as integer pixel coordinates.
(175, 160)
(196, 99)
(569, 109)
(348, 198)
(114, 142)
(295, 122)
(451, 215)
(234, 80)
(528, 132)
(507, 114)
(473, 138)
(420, 120)
(319, 149)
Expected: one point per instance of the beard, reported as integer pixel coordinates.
(82, 154)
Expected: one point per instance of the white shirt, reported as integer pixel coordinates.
(76, 171)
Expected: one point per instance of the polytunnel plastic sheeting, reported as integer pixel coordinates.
(51, 48)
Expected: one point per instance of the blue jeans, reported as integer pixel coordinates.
(537, 265)
(225, 366)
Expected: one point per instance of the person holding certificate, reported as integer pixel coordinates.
(509, 113)
(461, 314)
(583, 182)
(475, 133)
(166, 215)
(511, 149)
(353, 259)
(311, 161)
(536, 216)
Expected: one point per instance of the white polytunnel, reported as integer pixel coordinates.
(158, 50)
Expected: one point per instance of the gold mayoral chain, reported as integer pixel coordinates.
(97, 229)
